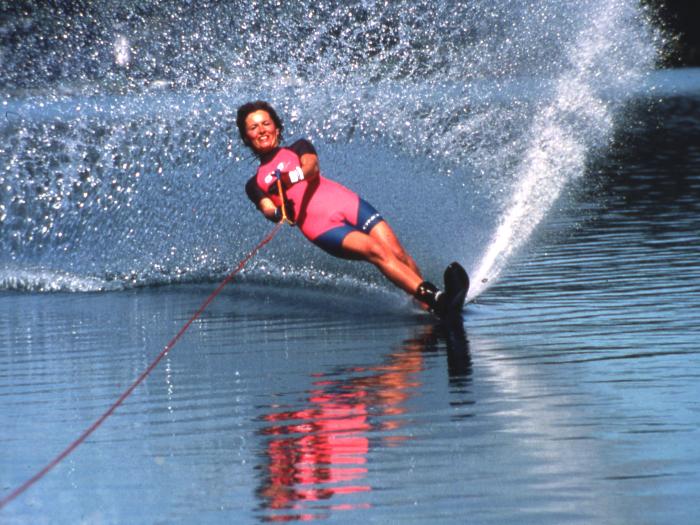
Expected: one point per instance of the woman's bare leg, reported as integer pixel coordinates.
(383, 232)
(370, 248)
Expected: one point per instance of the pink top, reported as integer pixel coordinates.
(319, 204)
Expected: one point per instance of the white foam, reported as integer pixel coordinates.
(44, 280)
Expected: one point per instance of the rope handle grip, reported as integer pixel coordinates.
(280, 192)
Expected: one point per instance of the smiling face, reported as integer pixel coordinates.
(261, 131)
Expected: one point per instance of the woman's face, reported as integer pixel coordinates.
(261, 131)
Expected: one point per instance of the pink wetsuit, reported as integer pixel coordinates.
(324, 210)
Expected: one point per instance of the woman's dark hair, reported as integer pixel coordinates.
(251, 107)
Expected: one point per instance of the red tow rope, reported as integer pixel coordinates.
(36, 477)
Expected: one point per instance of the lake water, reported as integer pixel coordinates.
(534, 142)
(571, 396)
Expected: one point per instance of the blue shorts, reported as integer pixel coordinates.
(331, 241)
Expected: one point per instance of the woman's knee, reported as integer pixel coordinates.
(383, 233)
(359, 245)
(402, 256)
(378, 253)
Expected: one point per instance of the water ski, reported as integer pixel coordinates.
(456, 288)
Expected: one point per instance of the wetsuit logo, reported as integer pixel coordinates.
(370, 222)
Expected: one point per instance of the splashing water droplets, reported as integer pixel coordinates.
(134, 107)
(576, 122)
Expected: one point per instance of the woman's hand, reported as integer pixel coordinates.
(280, 213)
(307, 170)
(290, 178)
(274, 213)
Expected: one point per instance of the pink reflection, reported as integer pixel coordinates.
(319, 452)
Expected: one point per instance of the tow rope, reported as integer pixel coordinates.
(41, 473)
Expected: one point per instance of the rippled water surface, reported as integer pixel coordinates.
(571, 396)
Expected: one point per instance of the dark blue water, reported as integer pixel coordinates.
(535, 144)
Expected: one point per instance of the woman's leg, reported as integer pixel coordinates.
(373, 249)
(383, 232)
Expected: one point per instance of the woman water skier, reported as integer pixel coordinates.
(331, 216)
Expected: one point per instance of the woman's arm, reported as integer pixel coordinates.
(309, 165)
(268, 209)
(308, 162)
(264, 204)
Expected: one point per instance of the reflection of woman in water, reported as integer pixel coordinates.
(331, 216)
(320, 451)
